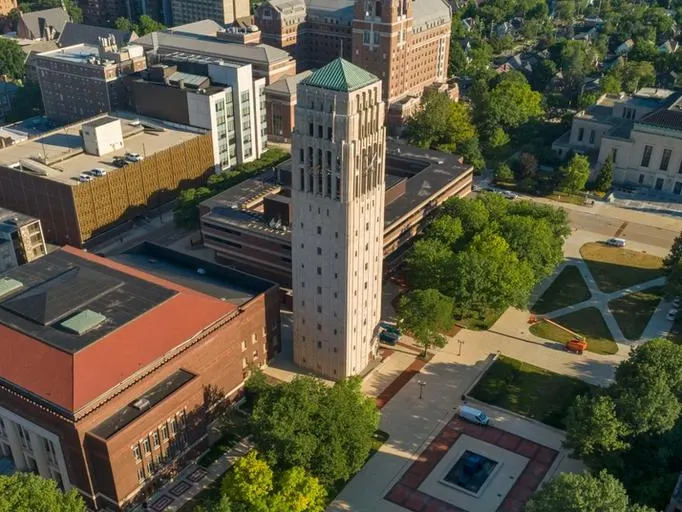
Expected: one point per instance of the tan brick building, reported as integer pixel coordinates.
(405, 43)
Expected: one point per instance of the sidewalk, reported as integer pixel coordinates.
(193, 480)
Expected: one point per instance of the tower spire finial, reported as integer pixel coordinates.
(341, 50)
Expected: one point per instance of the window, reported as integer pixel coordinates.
(319, 327)
(592, 136)
(155, 439)
(319, 344)
(581, 133)
(301, 155)
(164, 431)
(319, 309)
(659, 184)
(665, 159)
(319, 251)
(3, 429)
(677, 188)
(646, 156)
(614, 154)
(319, 271)
(319, 290)
(146, 446)
(136, 452)
(140, 474)
(366, 37)
(640, 180)
(319, 131)
(311, 129)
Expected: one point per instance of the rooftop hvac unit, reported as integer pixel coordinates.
(141, 404)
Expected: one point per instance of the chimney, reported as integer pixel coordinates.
(42, 27)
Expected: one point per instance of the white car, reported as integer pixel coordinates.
(83, 178)
(616, 242)
(676, 302)
(509, 195)
(134, 157)
(98, 172)
(672, 314)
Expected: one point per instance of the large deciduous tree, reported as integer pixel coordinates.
(512, 102)
(575, 174)
(426, 314)
(11, 59)
(441, 123)
(26, 492)
(569, 492)
(325, 430)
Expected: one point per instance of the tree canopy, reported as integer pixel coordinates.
(633, 428)
(570, 492)
(441, 123)
(145, 24)
(487, 253)
(12, 59)
(325, 430)
(26, 492)
(575, 174)
(426, 314)
(252, 486)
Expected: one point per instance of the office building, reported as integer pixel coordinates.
(280, 103)
(115, 372)
(208, 93)
(81, 188)
(220, 11)
(21, 239)
(83, 80)
(405, 44)
(201, 39)
(640, 132)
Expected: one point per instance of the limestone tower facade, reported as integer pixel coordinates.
(338, 169)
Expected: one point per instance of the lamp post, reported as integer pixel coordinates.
(461, 342)
(421, 384)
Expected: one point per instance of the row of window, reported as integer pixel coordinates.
(665, 158)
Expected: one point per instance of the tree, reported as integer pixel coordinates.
(674, 257)
(604, 180)
(575, 174)
(249, 483)
(298, 492)
(534, 243)
(593, 429)
(542, 75)
(186, 212)
(325, 430)
(528, 166)
(570, 492)
(441, 124)
(446, 230)
(504, 174)
(635, 75)
(565, 10)
(428, 262)
(11, 59)
(611, 83)
(425, 314)
(512, 102)
(26, 492)
(147, 24)
(124, 24)
(471, 151)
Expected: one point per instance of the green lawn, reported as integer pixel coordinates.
(480, 322)
(528, 390)
(564, 197)
(616, 268)
(568, 288)
(633, 311)
(586, 322)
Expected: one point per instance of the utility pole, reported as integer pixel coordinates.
(421, 385)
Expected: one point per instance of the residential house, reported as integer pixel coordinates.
(46, 25)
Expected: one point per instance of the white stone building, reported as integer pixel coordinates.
(641, 132)
(338, 216)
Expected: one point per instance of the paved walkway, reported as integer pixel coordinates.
(194, 479)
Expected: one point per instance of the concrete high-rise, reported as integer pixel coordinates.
(338, 217)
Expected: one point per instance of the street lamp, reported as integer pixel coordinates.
(421, 384)
(461, 342)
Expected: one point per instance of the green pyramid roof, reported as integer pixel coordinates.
(340, 75)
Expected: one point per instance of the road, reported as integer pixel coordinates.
(612, 227)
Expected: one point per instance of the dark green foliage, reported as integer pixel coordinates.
(26, 492)
(425, 314)
(145, 25)
(604, 180)
(186, 211)
(11, 59)
(27, 102)
(325, 430)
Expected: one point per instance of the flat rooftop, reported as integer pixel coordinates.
(426, 173)
(59, 286)
(215, 280)
(59, 156)
(16, 219)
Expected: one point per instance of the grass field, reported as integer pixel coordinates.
(529, 390)
(586, 322)
(616, 268)
(633, 311)
(480, 322)
(568, 288)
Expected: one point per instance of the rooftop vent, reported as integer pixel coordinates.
(8, 285)
(83, 322)
(141, 404)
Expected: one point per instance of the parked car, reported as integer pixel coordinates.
(83, 178)
(672, 314)
(509, 194)
(616, 242)
(390, 328)
(676, 302)
(388, 337)
(98, 172)
(120, 161)
(134, 157)
(473, 415)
